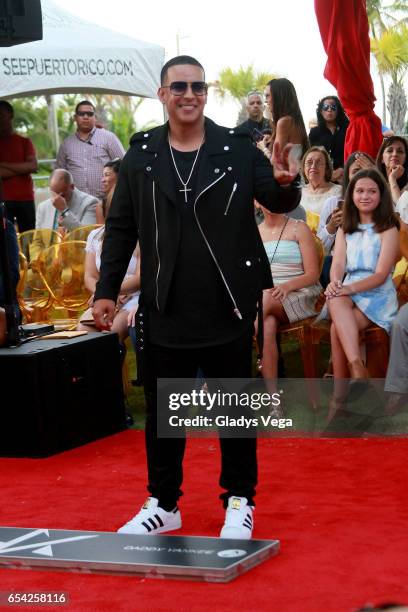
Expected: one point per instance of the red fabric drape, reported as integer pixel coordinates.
(344, 30)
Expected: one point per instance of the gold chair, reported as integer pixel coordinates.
(312, 220)
(61, 267)
(81, 233)
(33, 242)
(33, 297)
(400, 276)
(301, 330)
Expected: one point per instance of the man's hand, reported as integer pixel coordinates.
(59, 202)
(286, 163)
(103, 313)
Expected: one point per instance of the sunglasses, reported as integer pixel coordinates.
(179, 88)
(85, 113)
(327, 107)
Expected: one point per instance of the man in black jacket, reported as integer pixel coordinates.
(256, 122)
(186, 191)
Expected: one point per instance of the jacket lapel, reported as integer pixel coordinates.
(210, 170)
(162, 171)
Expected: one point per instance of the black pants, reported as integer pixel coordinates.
(165, 455)
(24, 212)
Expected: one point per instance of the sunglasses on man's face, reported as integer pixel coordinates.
(179, 88)
(85, 113)
(328, 107)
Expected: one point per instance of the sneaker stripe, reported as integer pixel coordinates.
(153, 524)
(158, 519)
(146, 526)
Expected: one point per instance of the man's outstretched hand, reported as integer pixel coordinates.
(103, 313)
(285, 162)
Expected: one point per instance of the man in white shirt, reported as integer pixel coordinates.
(67, 207)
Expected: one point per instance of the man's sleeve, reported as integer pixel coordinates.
(267, 190)
(38, 216)
(61, 158)
(87, 216)
(115, 147)
(121, 236)
(29, 149)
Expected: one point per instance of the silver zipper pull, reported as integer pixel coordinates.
(234, 188)
(239, 315)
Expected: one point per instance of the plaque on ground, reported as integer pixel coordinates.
(160, 556)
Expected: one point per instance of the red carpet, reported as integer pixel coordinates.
(339, 507)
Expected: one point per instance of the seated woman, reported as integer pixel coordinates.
(366, 250)
(331, 214)
(392, 162)
(317, 172)
(330, 132)
(292, 254)
(109, 179)
(129, 290)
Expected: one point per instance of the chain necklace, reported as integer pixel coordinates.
(278, 241)
(185, 188)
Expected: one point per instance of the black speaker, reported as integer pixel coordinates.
(20, 22)
(59, 394)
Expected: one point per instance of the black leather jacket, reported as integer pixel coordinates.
(232, 172)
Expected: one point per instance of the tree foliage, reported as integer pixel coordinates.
(237, 84)
(391, 53)
(388, 44)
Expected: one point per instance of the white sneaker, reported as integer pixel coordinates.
(238, 520)
(152, 519)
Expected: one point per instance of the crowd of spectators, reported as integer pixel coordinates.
(83, 183)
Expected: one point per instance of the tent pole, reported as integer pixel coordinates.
(53, 122)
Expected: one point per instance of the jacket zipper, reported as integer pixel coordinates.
(234, 188)
(157, 246)
(236, 310)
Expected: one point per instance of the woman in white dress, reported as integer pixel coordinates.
(129, 290)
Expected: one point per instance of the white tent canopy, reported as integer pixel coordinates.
(78, 56)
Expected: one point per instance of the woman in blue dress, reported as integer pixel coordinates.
(366, 250)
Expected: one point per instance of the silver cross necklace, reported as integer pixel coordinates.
(185, 183)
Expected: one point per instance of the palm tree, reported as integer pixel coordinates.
(378, 18)
(391, 53)
(237, 84)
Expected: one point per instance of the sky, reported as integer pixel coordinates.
(277, 36)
